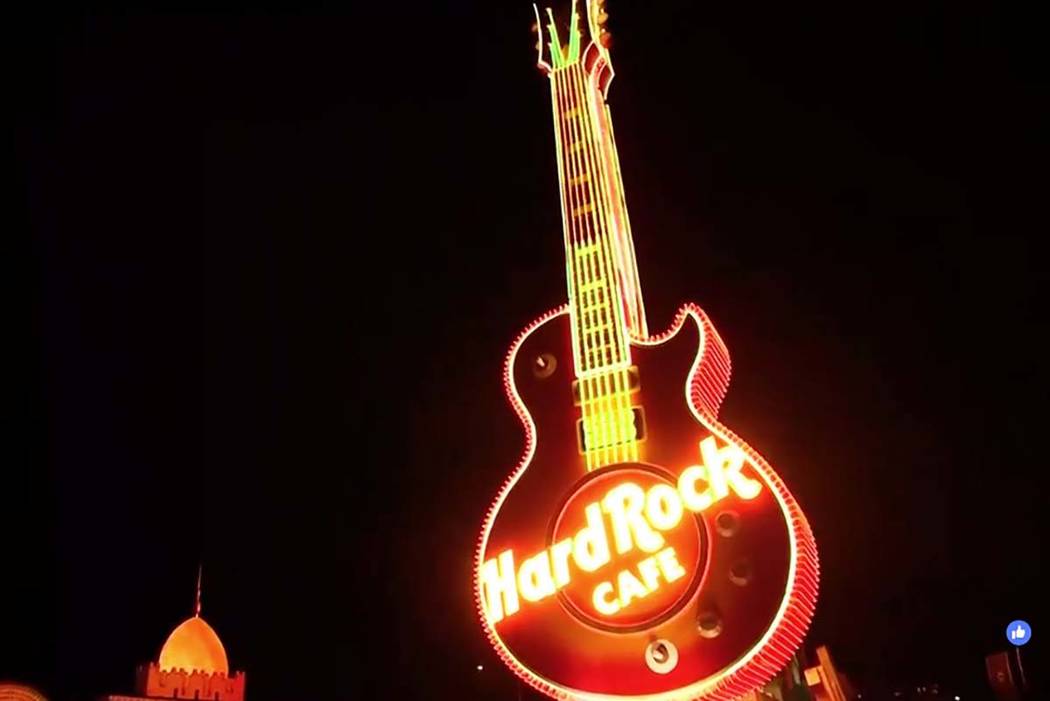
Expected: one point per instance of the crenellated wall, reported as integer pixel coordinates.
(180, 684)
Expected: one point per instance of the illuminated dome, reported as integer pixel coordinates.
(194, 646)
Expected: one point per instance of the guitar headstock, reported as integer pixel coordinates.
(578, 35)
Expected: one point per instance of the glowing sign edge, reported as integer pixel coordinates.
(778, 643)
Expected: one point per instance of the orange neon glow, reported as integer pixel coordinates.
(19, 692)
(195, 647)
(704, 392)
(638, 519)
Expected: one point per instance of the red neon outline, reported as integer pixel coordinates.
(705, 388)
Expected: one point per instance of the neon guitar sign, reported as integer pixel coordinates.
(637, 518)
(641, 549)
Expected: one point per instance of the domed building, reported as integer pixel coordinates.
(194, 645)
(192, 665)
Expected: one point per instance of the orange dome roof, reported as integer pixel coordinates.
(194, 646)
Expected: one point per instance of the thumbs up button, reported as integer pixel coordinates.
(1018, 632)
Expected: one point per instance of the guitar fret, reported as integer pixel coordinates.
(602, 352)
(597, 293)
(580, 179)
(585, 209)
(588, 286)
(586, 313)
(588, 391)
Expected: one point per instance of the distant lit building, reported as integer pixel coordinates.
(1007, 676)
(801, 680)
(796, 682)
(827, 683)
(191, 665)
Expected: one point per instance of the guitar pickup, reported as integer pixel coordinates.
(634, 383)
(637, 421)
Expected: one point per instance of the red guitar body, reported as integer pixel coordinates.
(752, 563)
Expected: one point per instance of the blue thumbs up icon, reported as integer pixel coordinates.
(1018, 633)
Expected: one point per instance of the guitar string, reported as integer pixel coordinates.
(626, 415)
(612, 217)
(620, 402)
(641, 326)
(574, 275)
(572, 271)
(610, 436)
(618, 399)
(579, 303)
(614, 409)
(606, 441)
(594, 429)
(623, 242)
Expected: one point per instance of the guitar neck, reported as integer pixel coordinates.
(604, 303)
(602, 278)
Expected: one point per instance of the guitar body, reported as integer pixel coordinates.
(750, 568)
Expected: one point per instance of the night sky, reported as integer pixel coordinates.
(275, 260)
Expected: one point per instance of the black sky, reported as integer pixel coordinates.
(276, 258)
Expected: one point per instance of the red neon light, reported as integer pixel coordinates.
(705, 390)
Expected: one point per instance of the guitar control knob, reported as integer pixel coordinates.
(544, 366)
(740, 573)
(661, 656)
(709, 623)
(727, 523)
